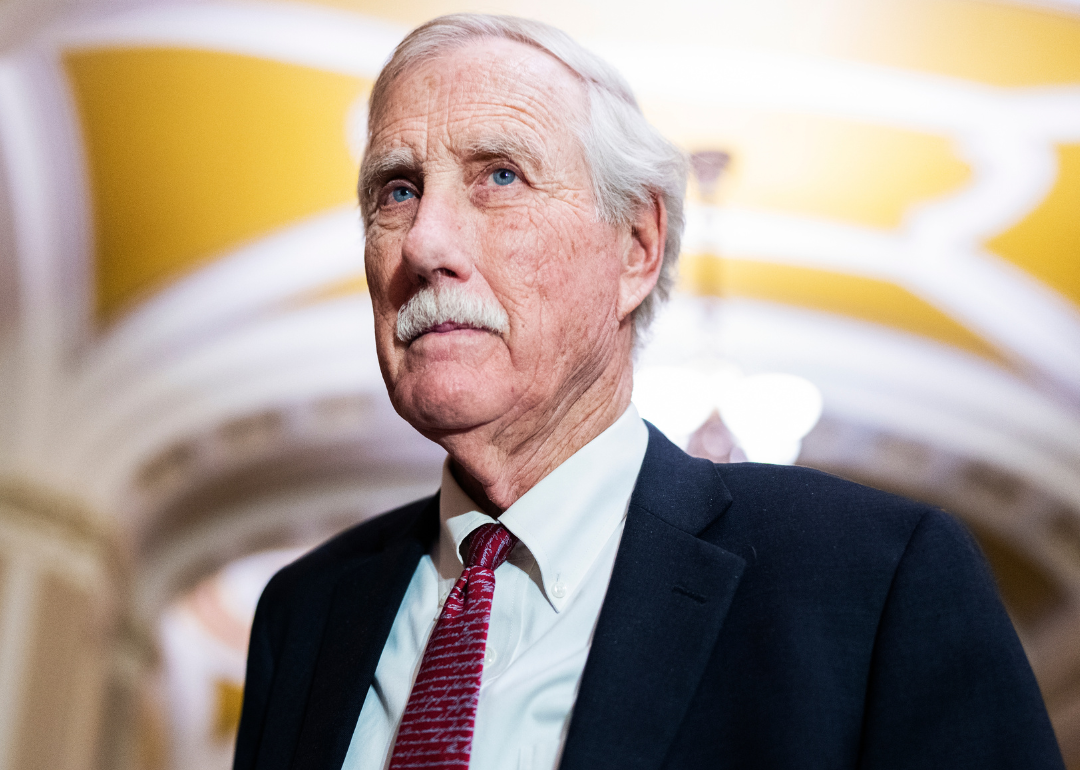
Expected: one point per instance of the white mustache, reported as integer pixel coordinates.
(432, 306)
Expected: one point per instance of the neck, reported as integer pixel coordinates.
(496, 465)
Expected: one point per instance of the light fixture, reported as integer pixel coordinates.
(768, 414)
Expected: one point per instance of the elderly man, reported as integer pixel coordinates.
(581, 593)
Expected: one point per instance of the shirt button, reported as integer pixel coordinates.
(489, 657)
(558, 590)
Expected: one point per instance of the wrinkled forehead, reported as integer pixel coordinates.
(484, 88)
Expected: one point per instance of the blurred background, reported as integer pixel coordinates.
(881, 279)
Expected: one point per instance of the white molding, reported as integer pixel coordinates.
(309, 35)
(258, 278)
(863, 92)
(990, 296)
(36, 245)
(49, 211)
(312, 353)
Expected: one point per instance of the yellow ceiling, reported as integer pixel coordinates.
(1007, 44)
(1047, 243)
(192, 153)
(816, 165)
(864, 298)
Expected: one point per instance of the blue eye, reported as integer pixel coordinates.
(504, 176)
(402, 194)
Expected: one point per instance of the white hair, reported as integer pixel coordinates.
(449, 303)
(630, 162)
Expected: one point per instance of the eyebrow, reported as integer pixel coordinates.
(519, 148)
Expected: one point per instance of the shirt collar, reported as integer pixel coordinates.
(565, 519)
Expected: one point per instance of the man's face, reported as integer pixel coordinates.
(482, 186)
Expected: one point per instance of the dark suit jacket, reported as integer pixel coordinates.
(757, 617)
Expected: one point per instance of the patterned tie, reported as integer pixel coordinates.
(437, 729)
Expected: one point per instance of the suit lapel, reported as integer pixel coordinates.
(668, 596)
(362, 611)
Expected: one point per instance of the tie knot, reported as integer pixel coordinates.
(489, 546)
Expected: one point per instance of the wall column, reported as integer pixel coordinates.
(61, 595)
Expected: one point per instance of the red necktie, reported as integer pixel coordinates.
(437, 728)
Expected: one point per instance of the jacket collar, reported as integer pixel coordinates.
(669, 594)
(683, 491)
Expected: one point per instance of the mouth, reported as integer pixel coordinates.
(447, 327)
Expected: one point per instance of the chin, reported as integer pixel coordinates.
(436, 404)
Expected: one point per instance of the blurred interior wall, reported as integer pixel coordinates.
(884, 203)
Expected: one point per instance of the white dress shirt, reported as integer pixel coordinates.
(547, 599)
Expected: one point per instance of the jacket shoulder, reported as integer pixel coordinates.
(825, 536)
(777, 485)
(819, 508)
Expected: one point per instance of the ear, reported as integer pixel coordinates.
(644, 255)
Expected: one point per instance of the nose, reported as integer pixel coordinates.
(437, 247)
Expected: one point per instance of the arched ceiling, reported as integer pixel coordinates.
(200, 139)
(905, 171)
